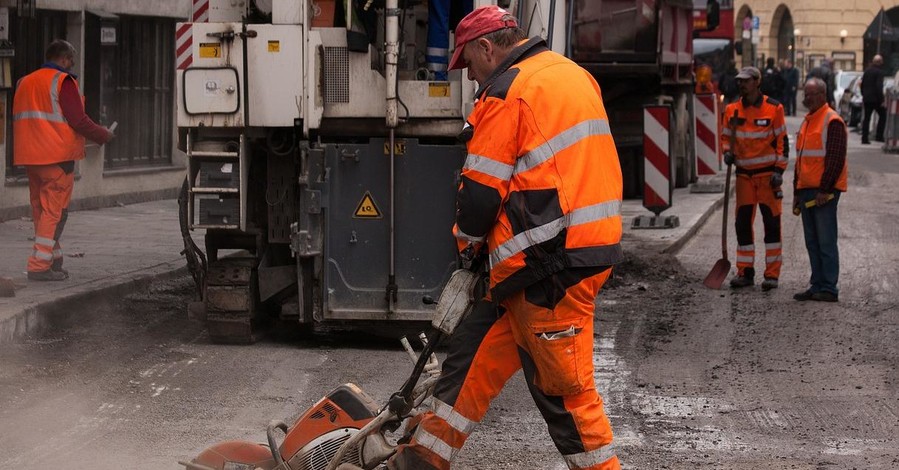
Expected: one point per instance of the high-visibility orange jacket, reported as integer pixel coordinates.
(761, 138)
(811, 147)
(42, 134)
(541, 183)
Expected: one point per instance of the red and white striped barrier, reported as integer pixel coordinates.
(705, 109)
(657, 182)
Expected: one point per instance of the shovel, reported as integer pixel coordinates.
(721, 268)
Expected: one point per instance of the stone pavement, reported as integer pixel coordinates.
(108, 252)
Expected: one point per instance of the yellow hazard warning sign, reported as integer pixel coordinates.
(210, 50)
(367, 209)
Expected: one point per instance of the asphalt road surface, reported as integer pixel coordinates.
(692, 378)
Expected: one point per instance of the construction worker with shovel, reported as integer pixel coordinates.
(756, 143)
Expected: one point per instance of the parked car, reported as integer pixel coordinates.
(850, 104)
(841, 81)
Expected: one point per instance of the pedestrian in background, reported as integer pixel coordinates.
(541, 192)
(825, 73)
(727, 83)
(758, 147)
(820, 177)
(873, 99)
(791, 86)
(772, 80)
(49, 128)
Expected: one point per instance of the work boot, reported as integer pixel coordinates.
(48, 275)
(57, 266)
(769, 284)
(743, 280)
(825, 297)
(803, 296)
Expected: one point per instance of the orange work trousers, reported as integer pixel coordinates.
(755, 191)
(546, 330)
(50, 190)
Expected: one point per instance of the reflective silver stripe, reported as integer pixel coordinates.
(745, 259)
(727, 131)
(591, 458)
(537, 235)
(56, 115)
(57, 254)
(42, 255)
(452, 417)
(813, 153)
(754, 135)
(771, 259)
(38, 115)
(560, 142)
(54, 94)
(488, 166)
(45, 241)
(746, 247)
(431, 442)
(471, 238)
(772, 246)
(757, 160)
(438, 51)
(780, 130)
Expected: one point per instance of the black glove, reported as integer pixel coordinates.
(777, 180)
(729, 158)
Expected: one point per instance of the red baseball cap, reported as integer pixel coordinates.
(481, 21)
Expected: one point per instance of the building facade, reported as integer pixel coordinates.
(808, 31)
(125, 66)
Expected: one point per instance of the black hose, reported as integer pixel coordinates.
(196, 260)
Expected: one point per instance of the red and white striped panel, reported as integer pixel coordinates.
(705, 108)
(184, 50)
(656, 158)
(200, 11)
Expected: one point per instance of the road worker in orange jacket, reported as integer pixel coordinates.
(759, 150)
(541, 197)
(49, 127)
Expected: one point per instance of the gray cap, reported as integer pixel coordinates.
(749, 72)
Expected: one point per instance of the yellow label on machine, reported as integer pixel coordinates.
(367, 209)
(439, 89)
(210, 50)
(399, 147)
(274, 46)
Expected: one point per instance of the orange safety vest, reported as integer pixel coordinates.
(42, 134)
(811, 145)
(761, 133)
(542, 182)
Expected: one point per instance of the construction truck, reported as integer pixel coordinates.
(323, 152)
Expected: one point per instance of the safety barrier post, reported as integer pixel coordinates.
(706, 133)
(891, 129)
(658, 168)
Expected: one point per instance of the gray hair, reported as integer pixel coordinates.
(816, 82)
(59, 49)
(506, 37)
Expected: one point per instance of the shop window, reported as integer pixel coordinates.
(139, 69)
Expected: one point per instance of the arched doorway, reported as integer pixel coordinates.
(782, 34)
(747, 51)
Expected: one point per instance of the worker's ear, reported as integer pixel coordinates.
(485, 46)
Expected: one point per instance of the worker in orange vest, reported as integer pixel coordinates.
(754, 138)
(540, 196)
(49, 128)
(820, 178)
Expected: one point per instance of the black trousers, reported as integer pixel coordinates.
(881, 121)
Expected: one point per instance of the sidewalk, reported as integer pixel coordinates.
(108, 252)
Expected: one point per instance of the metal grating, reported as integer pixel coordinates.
(337, 75)
(318, 453)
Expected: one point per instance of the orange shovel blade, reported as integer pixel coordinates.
(718, 274)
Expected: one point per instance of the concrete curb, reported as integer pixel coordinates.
(676, 245)
(35, 317)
